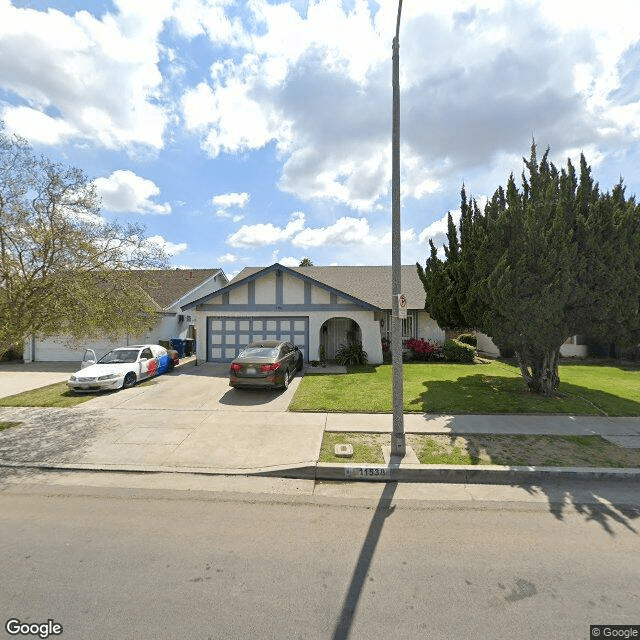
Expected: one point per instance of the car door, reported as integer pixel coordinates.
(148, 364)
(88, 358)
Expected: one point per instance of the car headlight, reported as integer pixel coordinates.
(72, 379)
(110, 376)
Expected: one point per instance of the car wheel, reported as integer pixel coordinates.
(129, 380)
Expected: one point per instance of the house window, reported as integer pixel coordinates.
(409, 326)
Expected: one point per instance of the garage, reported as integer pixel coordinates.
(61, 349)
(226, 335)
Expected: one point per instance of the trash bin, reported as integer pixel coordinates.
(190, 346)
(179, 346)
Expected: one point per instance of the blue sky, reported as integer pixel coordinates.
(241, 133)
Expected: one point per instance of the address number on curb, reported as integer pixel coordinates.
(367, 472)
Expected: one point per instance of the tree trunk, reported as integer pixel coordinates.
(539, 369)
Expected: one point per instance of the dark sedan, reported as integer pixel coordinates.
(269, 363)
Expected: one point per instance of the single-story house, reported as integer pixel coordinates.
(175, 287)
(312, 307)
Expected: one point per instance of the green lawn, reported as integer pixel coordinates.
(497, 387)
(483, 449)
(54, 395)
(8, 425)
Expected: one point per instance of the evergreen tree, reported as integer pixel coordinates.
(542, 262)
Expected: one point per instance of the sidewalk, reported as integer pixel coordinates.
(276, 443)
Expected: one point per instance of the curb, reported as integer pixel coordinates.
(468, 474)
(444, 474)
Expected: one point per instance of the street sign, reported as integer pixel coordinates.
(402, 306)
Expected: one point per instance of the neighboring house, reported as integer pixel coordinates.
(574, 347)
(175, 287)
(310, 307)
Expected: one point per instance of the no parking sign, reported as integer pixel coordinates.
(402, 305)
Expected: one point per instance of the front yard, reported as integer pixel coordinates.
(496, 387)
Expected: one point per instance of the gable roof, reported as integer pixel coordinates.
(368, 285)
(169, 285)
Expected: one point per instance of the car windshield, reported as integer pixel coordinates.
(259, 352)
(120, 355)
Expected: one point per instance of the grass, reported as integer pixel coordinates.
(480, 449)
(496, 387)
(54, 395)
(8, 425)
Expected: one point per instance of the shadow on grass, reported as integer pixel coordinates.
(481, 393)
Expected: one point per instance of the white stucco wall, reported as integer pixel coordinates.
(567, 350)
(428, 329)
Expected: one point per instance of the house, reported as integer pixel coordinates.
(312, 307)
(175, 287)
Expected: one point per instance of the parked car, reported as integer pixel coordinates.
(269, 363)
(121, 368)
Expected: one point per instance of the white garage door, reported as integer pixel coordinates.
(226, 336)
(60, 349)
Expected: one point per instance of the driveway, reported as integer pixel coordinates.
(197, 388)
(188, 420)
(16, 377)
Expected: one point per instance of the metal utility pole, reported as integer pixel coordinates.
(398, 444)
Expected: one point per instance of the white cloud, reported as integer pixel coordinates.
(344, 231)
(228, 258)
(227, 200)
(99, 77)
(437, 231)
(317, 83)
(170, 248)
(125, 191)
(262, 235)
(289, 262)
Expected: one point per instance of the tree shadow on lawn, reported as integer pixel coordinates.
(481, 393)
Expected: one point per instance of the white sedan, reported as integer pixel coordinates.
(120, 368)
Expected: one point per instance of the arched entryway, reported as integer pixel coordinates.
(336, 332)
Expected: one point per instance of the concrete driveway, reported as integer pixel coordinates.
(197, 388)
(16, 378)
(188, 420)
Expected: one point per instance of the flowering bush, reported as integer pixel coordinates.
(420, 349)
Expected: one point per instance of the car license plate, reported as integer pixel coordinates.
(251, 371)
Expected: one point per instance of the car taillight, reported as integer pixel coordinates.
(270, 367)
(236, 367)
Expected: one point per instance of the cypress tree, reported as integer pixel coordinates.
(541, 263)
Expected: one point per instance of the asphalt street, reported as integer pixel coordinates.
(298, 562)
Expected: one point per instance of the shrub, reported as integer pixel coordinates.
(420, 349)
(351, 355)
(456, 351)
(469, 338)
